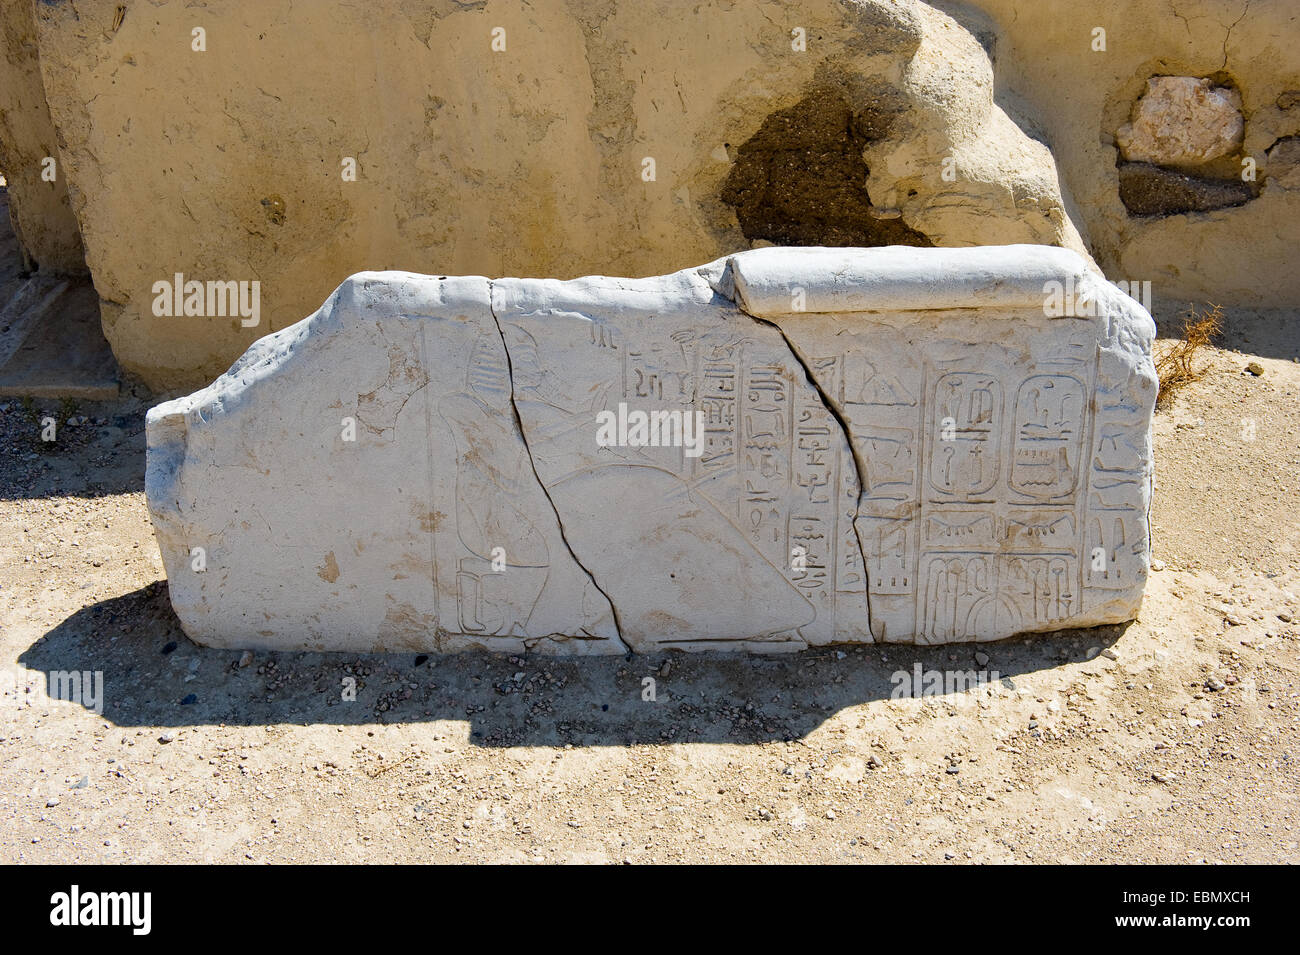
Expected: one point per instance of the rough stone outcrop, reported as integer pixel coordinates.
(783, 448)
(1182, 120)
(559, 137)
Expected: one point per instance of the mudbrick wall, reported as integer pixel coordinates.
(291, 145)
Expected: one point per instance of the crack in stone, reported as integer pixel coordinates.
(1228, 36)
(835, 413)
(519, 425)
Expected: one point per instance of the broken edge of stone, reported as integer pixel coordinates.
(773, 285)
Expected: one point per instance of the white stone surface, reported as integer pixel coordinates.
(382, 543)
(1005, 453)
(694, 552)
(774, 281)
(911, 449)
(1183, 120)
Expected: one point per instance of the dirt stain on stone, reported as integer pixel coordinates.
(329, 571)
(429, 520)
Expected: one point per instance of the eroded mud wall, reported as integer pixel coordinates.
(1198, 231)
(29, 155)
(550, 139)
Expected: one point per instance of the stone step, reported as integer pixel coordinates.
(32, 300)
(52, 345)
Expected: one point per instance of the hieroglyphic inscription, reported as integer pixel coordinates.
(774, 460)
(1116, 534)
(999, 548)
(988, 505)
(981, 510)
(944, 450)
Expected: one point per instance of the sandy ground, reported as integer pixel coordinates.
(1172, 739)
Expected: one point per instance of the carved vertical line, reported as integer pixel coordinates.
(433, 497)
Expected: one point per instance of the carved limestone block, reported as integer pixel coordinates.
(784, 448)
